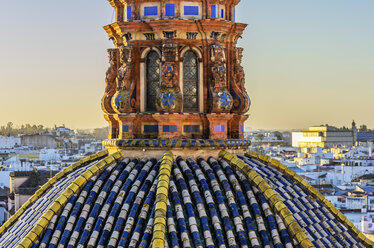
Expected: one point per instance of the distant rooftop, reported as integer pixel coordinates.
(365, 136)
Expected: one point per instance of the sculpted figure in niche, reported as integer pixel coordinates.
(124, 77)
(169, 78)
(123, 100)
(221, 98)
(217, 53)
(218, 76)
(239, 75)
(169, 98)
(241, 99)
(110, 79)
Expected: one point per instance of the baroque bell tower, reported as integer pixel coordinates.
(175, 73)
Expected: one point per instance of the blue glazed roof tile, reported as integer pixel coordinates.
(210, 204)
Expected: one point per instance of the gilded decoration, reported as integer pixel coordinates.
(221, 98)
(123, 100)
(110, 79)
(242, 101)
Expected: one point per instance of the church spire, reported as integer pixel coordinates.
(175, 71)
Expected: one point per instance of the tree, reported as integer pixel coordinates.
(9, 128)
(363, 128)
(260, 136)
(278, 135)
(9, 125)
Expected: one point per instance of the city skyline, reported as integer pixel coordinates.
(306, 63)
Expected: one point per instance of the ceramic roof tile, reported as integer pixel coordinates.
(209, 203)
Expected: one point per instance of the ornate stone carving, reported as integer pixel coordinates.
(124, 100)
(149, 36)
(169, 99)
(110, 80)
(170, 34)
(242, 101)
(169, 76)
(221, 98)
(191, 35)
(169, 52)
(218, 71)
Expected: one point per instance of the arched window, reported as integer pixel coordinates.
(190, 82)
(153, 79)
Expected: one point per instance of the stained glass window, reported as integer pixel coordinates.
(153, 80)
(190, 82)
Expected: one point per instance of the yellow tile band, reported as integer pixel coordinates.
(314, 193)
(45, 187)
(278, 206)
(159, 226)
(61, 201)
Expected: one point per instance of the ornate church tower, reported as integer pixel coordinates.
(175, 72)
(176, 103)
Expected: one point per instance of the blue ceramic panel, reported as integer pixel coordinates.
(214, 11)
(191, 128)
(125, 128)
(221, 13)
(128, 12)
(191, 10)
(169, 128)
(169, 9)
(150, 11)
(219, 128)
(151, 128)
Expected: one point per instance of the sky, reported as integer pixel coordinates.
(306, 62)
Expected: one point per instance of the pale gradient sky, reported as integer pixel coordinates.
(306, 62)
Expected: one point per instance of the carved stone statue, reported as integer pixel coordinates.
(221, 98)
(110, 80)
(241, 99)
(124, 99)
(217, 53)
(218, 71)
(169, 98)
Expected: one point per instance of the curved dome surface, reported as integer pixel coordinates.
(225, 201)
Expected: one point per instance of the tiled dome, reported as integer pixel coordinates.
(225, 201)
